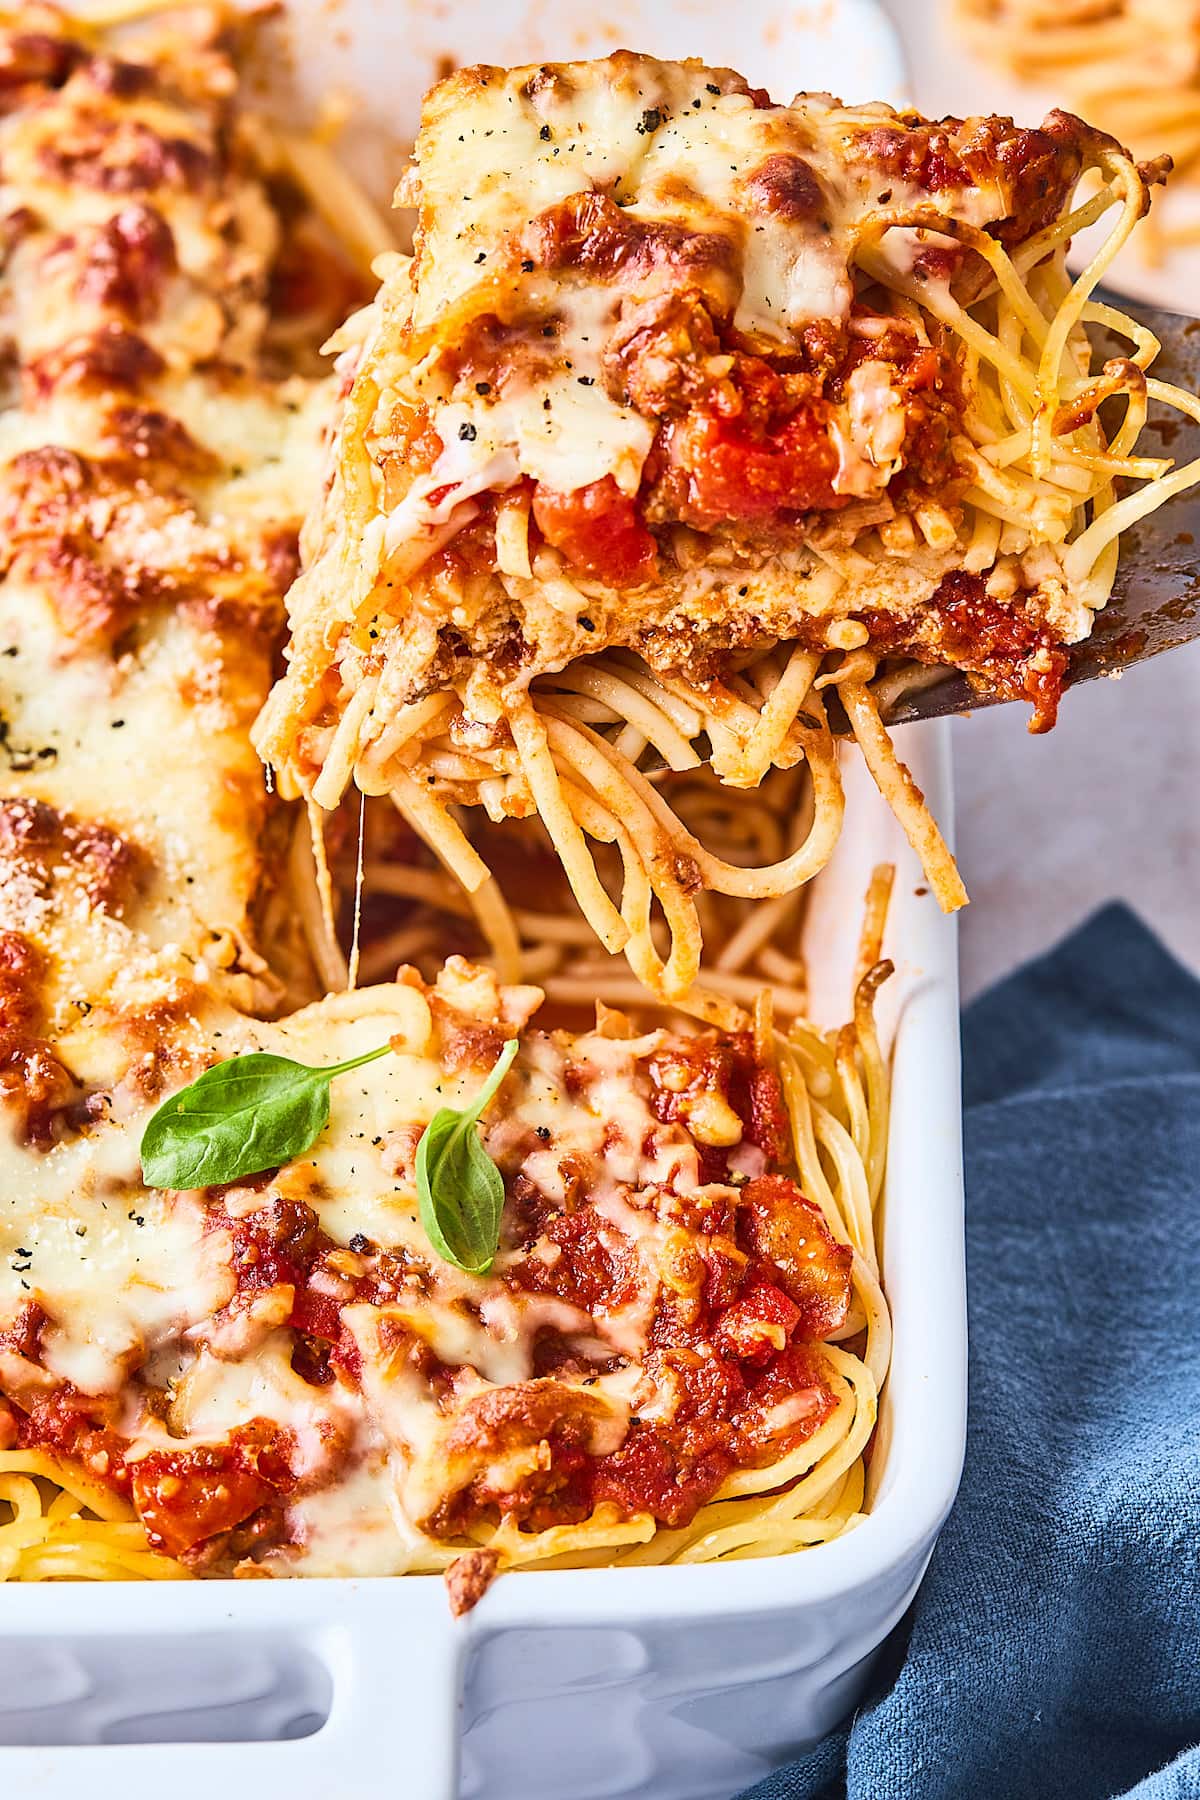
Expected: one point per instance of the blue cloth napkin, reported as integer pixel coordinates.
(1053, 1652)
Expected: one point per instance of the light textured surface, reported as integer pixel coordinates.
(1108, 805)
(1105, 807)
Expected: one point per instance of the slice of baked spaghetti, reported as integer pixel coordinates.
(687, 407)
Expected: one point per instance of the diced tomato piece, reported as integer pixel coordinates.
(317, 1314)
(798, 1380)
(599, 530)
(62, 1422)
(736, 473)
(711, 1388)
(756, 1096)
(278, 1244)
(647, 1475)
(758, 1325)
(596, 1268)
(23, 1331)
(184, 1497)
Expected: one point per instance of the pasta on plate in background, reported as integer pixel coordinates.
(1130, 67)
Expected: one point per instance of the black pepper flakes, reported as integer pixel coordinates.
(467, 432)
(650, 121)
(483, 387)
(544, 134)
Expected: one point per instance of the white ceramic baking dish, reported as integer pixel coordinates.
(663, 1684)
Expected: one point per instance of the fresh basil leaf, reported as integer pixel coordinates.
(251, 1113)
(460, 1189)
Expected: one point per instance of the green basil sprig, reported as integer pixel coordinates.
(251, 1113)
(460, 1189)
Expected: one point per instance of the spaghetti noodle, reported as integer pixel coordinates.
(58, 1524)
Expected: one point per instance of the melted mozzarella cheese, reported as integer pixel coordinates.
(356, 1525)
(131, 1280)
(220, 240)
(662, 139)
(216, 1395)
(153, 746)
(119, 1272)
(359, 1179)
(427, 1466)
(771, 199)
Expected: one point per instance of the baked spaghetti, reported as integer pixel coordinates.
(157, 448)
(676, 1351)
(688, 409)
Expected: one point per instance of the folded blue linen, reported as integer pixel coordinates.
(1053, 1652)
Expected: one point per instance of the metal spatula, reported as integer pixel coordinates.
(1155, 604)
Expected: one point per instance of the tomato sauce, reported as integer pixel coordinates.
(1009, 651)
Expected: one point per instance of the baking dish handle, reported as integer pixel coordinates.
(389, 1666)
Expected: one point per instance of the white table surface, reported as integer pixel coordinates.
(1106, 806)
